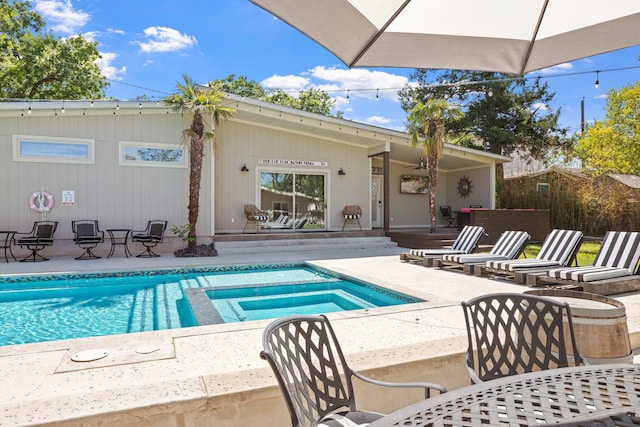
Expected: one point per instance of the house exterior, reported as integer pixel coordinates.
(124, 163)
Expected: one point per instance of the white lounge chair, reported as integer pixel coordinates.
(509, 246)
(558, 249)
(618, 257)
(465, 243)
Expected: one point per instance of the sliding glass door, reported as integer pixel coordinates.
(294, 199)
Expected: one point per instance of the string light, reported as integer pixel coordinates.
(597, 85)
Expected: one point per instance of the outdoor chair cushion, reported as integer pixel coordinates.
(465, 243)
(508, 246)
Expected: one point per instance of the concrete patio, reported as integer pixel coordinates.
(212, 375)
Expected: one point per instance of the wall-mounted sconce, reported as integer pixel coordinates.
(244, 168)
(341, 172)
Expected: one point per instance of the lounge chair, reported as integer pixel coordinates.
(255, 216)
(465, 243)
(307, 360)
(282, 222)
(558, 249)
(150, 237)
(40, 236)
(510, 334)
(87, 235)
(352, 213)
(509, 246)
(617, 258)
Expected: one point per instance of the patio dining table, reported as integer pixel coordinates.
(595, 395)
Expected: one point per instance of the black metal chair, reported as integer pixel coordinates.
(150, 237)
(512, 334)
(305, 356)
(87, 235)
(448, 215)
(40, 236)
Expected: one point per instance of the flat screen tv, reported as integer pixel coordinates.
(414, 184)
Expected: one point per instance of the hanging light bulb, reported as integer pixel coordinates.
(377, 94)
(62, 110)
(597, 85)
(29, 110)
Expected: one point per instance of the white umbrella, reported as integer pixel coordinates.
(508, 36)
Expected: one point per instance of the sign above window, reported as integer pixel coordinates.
(292, 162)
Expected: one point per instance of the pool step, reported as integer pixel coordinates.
(296, 245)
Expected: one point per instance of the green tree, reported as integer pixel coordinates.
(36, 65)
(505, 113)
(613, 144)
(428, 123)
(312, 100)
(188, 98)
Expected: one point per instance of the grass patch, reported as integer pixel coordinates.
(586, 253)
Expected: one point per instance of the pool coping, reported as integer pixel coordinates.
(195, 367)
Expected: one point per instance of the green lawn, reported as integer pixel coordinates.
(586, 254)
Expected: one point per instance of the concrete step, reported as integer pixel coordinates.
(296, 245)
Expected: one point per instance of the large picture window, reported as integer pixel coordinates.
(154, 155)
(298, 196)
(47, 149)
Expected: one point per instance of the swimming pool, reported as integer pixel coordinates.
(49, 308)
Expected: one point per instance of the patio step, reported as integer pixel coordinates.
(296, 245)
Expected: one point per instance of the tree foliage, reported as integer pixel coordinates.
(311, 100)
(36, 65)
(428, 127)
(503, 112)
(613, 144)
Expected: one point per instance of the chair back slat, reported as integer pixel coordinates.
(619, 249)
(510, 334)
(510, 244)
(45, 230)
(560, 246)
(307, 360)
(468, 239)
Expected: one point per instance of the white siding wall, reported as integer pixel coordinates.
(241, 143)
(117, 196)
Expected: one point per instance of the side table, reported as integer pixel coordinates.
(6, 244)
(119, 236)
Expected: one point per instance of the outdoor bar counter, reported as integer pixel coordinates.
(536, 222)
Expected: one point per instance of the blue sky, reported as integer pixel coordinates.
(147, 45)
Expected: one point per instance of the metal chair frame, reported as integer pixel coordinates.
(305, 356)
(40, 236)
(448, 215)
(87, 235)
(511, 334)
(150, 237)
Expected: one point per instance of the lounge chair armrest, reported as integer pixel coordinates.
(426, 386)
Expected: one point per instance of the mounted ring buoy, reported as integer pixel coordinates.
(41, 201)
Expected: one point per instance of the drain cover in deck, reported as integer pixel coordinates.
(89, 355)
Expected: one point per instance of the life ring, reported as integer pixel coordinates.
(41, 201)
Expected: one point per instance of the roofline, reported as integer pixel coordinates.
(111, 106)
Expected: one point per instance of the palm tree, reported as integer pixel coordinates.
(189, 98)
(428, 121)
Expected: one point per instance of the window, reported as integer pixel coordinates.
(47, 149)
(154, 155)
(542, 186)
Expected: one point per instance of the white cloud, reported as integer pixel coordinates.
(114, 31)
(61, 16)
(164, 39)
(287, 83)
(556, 69)
(341, 84)
(602, 96)
(109, 70)
(540, 106)
(377, 120)
(91, 35)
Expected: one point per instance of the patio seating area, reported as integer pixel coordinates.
(158, 377)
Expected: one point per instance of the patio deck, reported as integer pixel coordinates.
(212, 375)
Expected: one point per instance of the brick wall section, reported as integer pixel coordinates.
(495, 221)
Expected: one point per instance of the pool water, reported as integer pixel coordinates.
(49, 308)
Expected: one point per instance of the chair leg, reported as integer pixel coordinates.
(148, 253)
(87, 254)
(35, 256)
